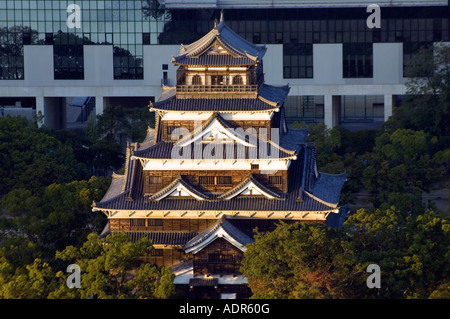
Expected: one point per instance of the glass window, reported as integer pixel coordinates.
(357, 60)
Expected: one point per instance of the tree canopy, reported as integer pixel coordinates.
(110, 268)
(312, 261)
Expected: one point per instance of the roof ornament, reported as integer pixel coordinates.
(182, 49)
(215, 24)
(221, 16)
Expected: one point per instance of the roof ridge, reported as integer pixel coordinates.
(250, 178)
(179, 179)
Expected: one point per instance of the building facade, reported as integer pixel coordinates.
(220, 162)
(340, 71)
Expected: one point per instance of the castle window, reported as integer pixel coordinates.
(275, 180)
(254, 166)
(223, 180)
(155, 180)
(137, 222)
(206, 180)
(197, 80)
(170, 129)
(217, 79)
(237, 80)
(219, 258)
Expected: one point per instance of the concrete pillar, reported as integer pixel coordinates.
(99, 105)
(388, 104)
(332, 106)
(40, 108)
(54, 112)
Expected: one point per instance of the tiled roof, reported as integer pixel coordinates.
(327, 187)
(224, 36)
(213, 60)
(274, 93)
(213, 105)
(168, 188)
(250, 178)
(337, 220)
(115, 187)
(203, 282)
(290, 200)
(167, 150)
(294, 139)
(269, 96)
(175, 238)
(227, 225)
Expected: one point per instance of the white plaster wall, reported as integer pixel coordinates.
(387, 63)
(99, 73)
(273, 64)
(327, 64)
(38, 64)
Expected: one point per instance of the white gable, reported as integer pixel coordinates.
(249, 188)
(179, 190)
(215, 131)
(219, 233)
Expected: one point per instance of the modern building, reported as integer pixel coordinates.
(109, 52)
(220, 162)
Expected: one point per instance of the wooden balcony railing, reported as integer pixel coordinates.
(216, 88)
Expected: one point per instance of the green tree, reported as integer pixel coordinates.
(327, 142)
(401, 162)
(58, 217)
(412, 252)
(427, 106)
(108, 266)
(312, 261)
(31, 159)
(34, 281)
(141, 120)
(295, 261)
(112, 123)
(107, 155)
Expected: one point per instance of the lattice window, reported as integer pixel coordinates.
(275, 180)
(206, 180)
(155, 180)
(154, 222)
(137, 222)
(223, 180)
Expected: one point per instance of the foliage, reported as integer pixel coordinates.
(427, 106)
(112, 123)
(141, 120)
(312, 261)
(107, 155)
(293, 261)
(401, 162)
(30, 158)
(107, 269)
(59, 217)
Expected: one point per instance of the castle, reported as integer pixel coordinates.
(219, 162)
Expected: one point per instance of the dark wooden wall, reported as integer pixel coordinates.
(220, 247)
(237, 176)
(172, 224)
(167, 127)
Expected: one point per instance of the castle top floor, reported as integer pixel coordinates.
(220, 62)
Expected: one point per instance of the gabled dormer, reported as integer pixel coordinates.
(221, 63)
